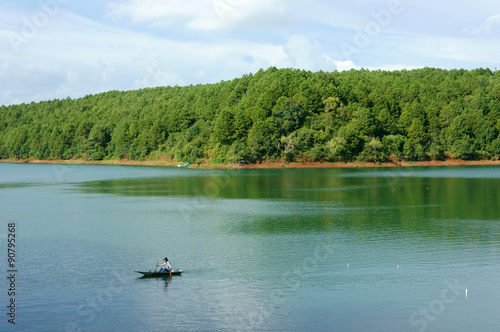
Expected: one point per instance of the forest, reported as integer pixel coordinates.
(274, 114)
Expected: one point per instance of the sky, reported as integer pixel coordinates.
(54, 49)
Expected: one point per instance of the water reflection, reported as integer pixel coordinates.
(158, 281)
(261, 249)
(309, 201)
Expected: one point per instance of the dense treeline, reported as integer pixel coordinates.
(273, 114)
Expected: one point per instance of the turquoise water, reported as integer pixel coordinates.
(323, 250)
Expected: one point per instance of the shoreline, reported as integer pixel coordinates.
(262, 165)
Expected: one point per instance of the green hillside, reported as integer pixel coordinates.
(274, 114)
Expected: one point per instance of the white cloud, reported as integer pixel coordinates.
(488, 25)
(162, 13)
(147, 43)
(76, 56)
(206, 15)
(481, 52)
(304, 53)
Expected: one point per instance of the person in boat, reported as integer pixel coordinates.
(165, 266)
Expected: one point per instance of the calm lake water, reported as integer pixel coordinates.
(269, 250)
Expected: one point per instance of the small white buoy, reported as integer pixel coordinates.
(347, 265)
(398, 267)
(466, 291)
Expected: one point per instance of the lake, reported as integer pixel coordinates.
(382, 249)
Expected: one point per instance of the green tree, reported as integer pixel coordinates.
(290, 115)
(370, 150)
(345, 146)
(262, 140)
(224, 129)
(393, 145)
(285, 113)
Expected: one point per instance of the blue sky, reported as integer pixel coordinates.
(66, 48)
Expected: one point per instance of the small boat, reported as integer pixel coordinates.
(160, 274)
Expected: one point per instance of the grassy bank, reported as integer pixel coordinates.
(261, 165)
